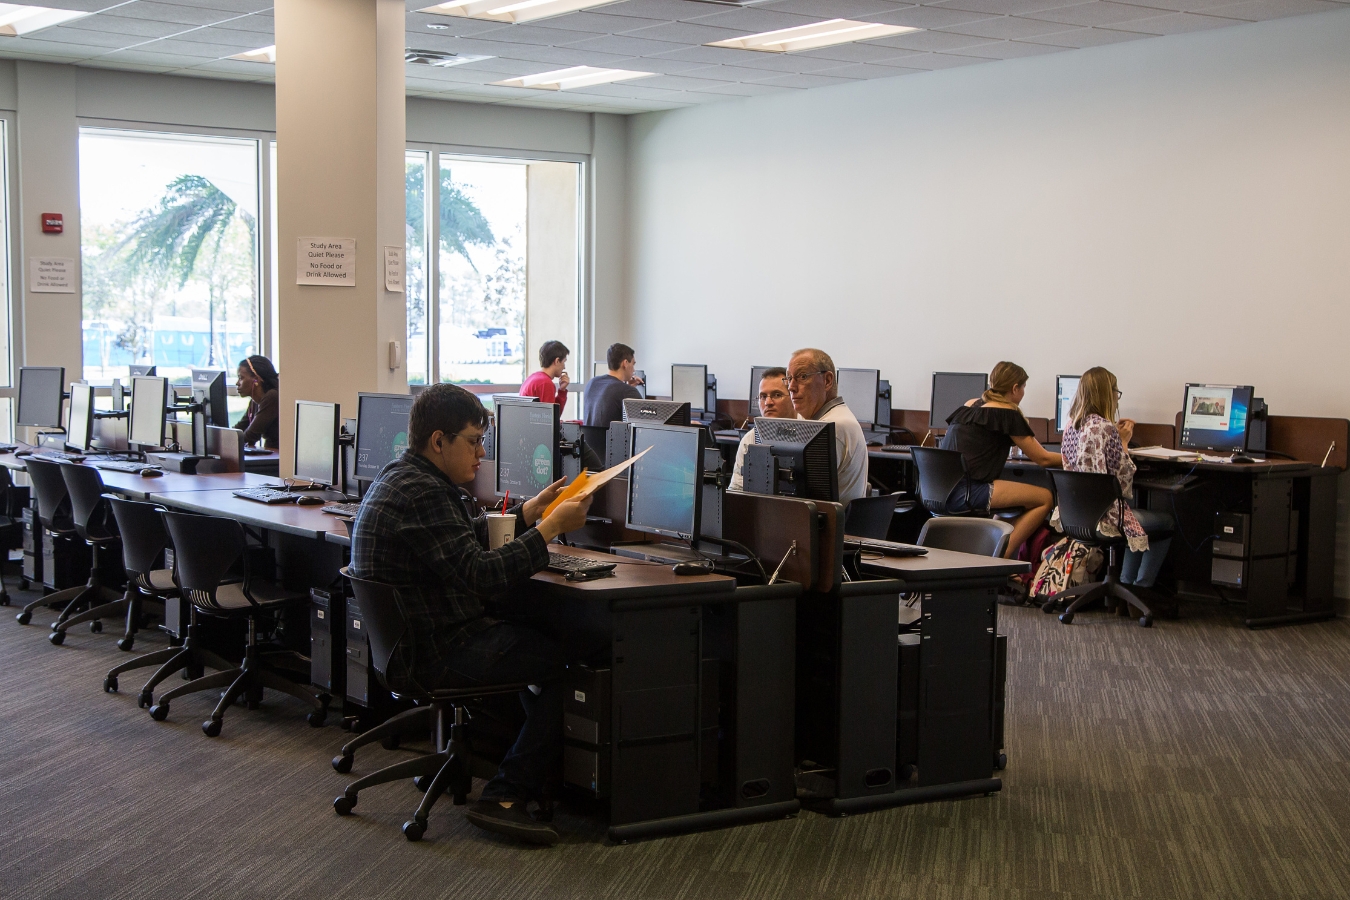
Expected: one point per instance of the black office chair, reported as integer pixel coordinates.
(1084, 497)
(95, 525)
(206, 548)
(56, 516)
(870, 517)
(11, 525)
(982, 537)
(450, 767)
(940, 473)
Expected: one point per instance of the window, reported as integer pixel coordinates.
(6, 300)
(169, 237)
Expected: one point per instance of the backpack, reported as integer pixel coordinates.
(1065, 564)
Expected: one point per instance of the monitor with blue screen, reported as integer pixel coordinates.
(1216, 417)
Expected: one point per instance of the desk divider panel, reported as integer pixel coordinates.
(768, 525)
(1305, 438)
(1150, 434)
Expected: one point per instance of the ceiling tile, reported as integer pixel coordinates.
(628, 46)
(1079, 38)
(866, 72)
(1004, 7)
(565, 56)
(859, 52)
(1010, 50)
(1262, 10)
(753, 20)
(806, 81)
(932, 40)
(1099, 13)
(1175, 23)
(145, 28)
(663, 10)
(837, 9)
(173, 12)
(931, 17)
(1010, 28)
(594, 23)
(685, 33)
(745, 90)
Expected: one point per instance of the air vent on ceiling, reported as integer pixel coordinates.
(439, 58)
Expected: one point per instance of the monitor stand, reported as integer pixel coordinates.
(186, 463)
(672, 554)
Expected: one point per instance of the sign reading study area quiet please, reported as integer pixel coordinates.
(326, 261)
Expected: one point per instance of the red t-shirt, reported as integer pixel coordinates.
(540, 385)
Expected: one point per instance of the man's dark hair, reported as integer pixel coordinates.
(773, 372)
(443, 407)
(550, 351)
(617, 355)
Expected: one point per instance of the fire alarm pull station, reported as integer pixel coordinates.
(52, 223)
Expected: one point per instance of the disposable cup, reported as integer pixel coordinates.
(501, 528)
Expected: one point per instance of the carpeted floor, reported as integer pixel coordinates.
(1195, 759)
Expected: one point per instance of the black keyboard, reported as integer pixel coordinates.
(886, 548)
(266, 495)
(133, 468)
(57, 456)
(564, 564)
(1164, 481)
(342, 509)
(896, 448)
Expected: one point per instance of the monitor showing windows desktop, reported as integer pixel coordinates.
(1066, 389)
(1216, 417)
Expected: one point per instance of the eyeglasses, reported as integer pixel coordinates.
(476, 441)
(1119, 393)
(772, 395)
(801, 376)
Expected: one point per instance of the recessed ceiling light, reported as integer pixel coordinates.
(809, 37)
(437, 26)
(440, 58)
(17, 19)
(511, 10)
(575, 77)
(261, 55)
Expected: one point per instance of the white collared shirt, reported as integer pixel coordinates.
(850, 446)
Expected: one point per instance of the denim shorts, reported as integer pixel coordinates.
(970, 496)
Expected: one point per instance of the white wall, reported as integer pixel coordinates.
(1174, 209)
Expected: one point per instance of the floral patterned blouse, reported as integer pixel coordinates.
(1096, 447)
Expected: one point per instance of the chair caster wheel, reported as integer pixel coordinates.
(342, 764)
(422, 782)
(4, 598)
(159, 712)
(390, 743)
(110, 685)
(96, 627)
(1048, 606)
(413, 830)
(125, 644)
(145, 700)
(316, 719)
(1000, 762)
(24, 618)
(1145, 621)
(211, 728)
(343, 805)
(57, 637)
(1066, 618)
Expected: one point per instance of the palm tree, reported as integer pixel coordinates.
(168, 240)
(462, 222)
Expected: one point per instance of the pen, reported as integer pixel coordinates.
(1328, 456)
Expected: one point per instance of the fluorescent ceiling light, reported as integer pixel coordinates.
(575, 77)
(262, 55)
(810, 37)
(17, 20)
(511, 10)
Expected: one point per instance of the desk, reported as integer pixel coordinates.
(268, 463)
(138, 487)
(285, 518)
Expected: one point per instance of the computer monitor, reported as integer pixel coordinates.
(316, 441)
(1066, 389)
(665, 412)
(1216, 417)
(859, 388)
(381, 431)
(756, 374)
(149, 397)
(806, 461)
(40, 392)
(689, 384)
(665, 486)
(80, 425)
(208, 386)
(951, 390)
(641, 388)
(142, 371)
(527, 447)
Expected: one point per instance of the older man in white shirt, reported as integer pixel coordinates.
(815, 395)
(774, 403)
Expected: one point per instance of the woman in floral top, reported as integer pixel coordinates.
(1095, 442)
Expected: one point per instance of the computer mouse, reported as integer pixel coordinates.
(691, 568)
(1240, 458)
(151, 473)
(23, 452)
(309, 500)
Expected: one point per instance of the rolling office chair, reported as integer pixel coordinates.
(450, 767)
(56, 516)
(205, 549)
(94, 524)
(1084, 497)
(870, 517)
(982, 537)
(940, 473)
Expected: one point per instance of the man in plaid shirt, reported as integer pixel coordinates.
(416, 530)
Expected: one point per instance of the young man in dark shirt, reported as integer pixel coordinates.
(605, 393)
(415, 529)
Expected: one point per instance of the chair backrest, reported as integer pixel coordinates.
(1084, 497)
(204, 549)
(52, 497)
(940, 471)
(983, 537)
(382, 616)
(870, 517)
(88, 508)
(144, 536)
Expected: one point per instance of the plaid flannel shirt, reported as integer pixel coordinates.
(415, 530)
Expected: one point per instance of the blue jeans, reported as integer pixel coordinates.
(507, 653)
(1142, 568)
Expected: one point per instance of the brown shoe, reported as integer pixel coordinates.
(509, 817)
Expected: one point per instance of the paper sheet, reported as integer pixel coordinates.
(1164, 453)
(586, 484)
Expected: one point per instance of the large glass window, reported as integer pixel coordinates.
(6, 360)
(169, 239)
(415, 278)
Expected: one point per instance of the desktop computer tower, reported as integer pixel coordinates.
(586, 738)
(362, 688)
(328, 641)
(32, 546)
(65, 563)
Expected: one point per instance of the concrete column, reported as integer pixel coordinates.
(551, 268)
(340, 144)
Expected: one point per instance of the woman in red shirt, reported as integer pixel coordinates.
(552, 364)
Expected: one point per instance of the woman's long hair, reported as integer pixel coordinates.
(1005, 377)
(1096, 394)
(263, 369)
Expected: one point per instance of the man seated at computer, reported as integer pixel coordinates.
(415, 530)
(550, 383)
(605, 393)
(812, 383)
(774, 403)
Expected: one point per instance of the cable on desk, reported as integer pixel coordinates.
(734, 545)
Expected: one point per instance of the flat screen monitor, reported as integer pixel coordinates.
(40, 390)
(756, 373)
(642, 377)
(859, 389)
(665, 486)
(149, 397)
(527, 447)
(1066, 388)
(665, 412)
(316, 441)
(1216, 417)
(806, 449)
(951, 390)
(80, 428)
(381, 431)
(208, 386)
(142, 371)
(689, 384)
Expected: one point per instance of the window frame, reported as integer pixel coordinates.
(9, 162)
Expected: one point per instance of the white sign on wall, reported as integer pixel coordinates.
(326, 261)
(393, 269)
(51, 275)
